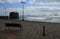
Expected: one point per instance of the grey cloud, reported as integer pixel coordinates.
(47, 1)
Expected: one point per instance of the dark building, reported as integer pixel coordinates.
(3, 17)
(14, 15)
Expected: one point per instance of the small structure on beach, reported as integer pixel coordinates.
(14, 15)
(3, 17)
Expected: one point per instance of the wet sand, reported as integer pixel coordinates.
(31, 30)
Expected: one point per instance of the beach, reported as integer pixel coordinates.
(31, 30)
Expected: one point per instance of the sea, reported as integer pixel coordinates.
(54, 19)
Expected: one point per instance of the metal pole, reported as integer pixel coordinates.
(5, 10)
(44, 31)
(23, 11)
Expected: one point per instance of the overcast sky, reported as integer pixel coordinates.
(17, 3)
(31, 6)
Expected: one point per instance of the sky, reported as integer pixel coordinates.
(17, 3)
(31, 7)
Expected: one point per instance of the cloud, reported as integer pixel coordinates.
(43, 10)
(8, 10)
(2, 1)
(11, 1)
(33, 10)
(32, 1)
(42, 2)
(2, 12)
(46, 1)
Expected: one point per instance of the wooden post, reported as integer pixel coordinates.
(44, 31)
